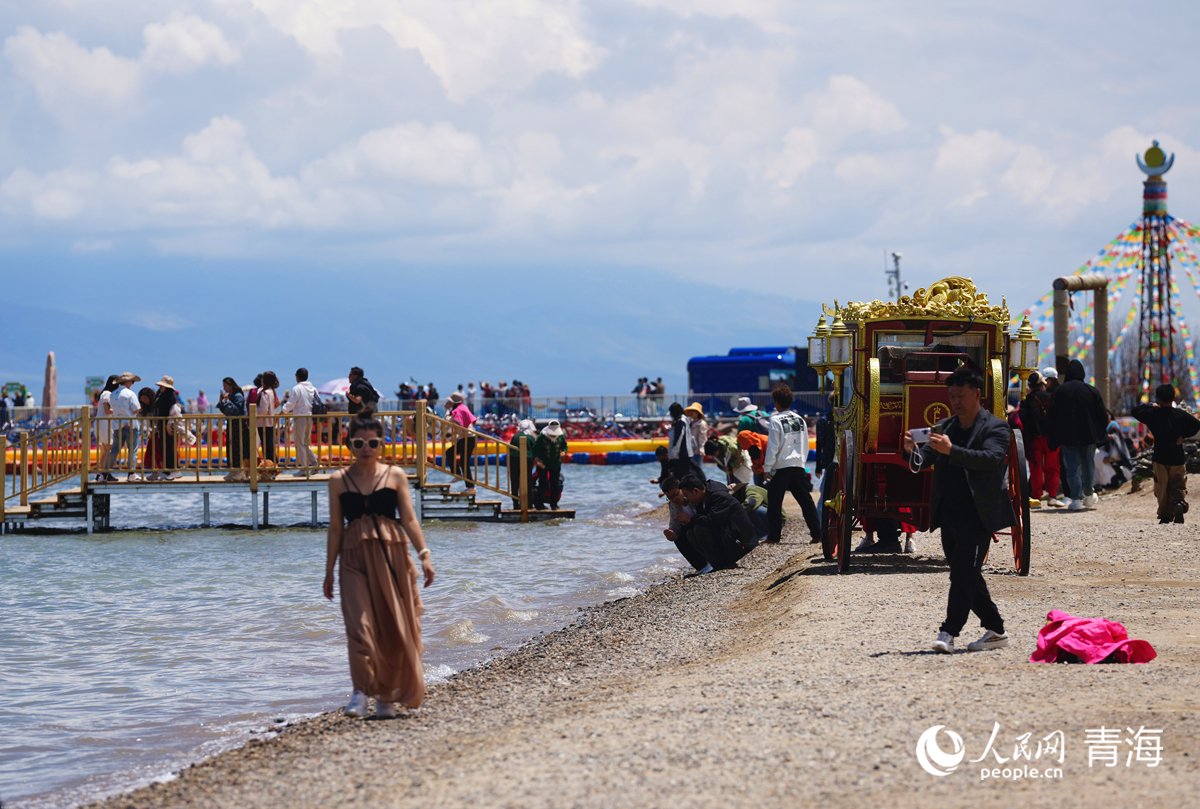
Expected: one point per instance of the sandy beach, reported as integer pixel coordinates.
(782, 683)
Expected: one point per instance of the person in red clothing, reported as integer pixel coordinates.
(1043, 461)
(756, 444)
(458, 412)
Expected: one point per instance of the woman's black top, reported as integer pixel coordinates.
(381, 503)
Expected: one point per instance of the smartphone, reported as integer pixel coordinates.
(938, 428)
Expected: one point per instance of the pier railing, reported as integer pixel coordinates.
(256, 447)
(41, 459)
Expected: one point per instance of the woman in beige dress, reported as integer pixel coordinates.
(371, 522)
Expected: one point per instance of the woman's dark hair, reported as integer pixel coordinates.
(164, 400)
(112, 383)
(365, 421)
(269, 380)
(258, 380)
(146, 410)
(231, 382)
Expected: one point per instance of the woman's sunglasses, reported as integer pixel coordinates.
(359, 443)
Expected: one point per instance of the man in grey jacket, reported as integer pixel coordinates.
(968, 452)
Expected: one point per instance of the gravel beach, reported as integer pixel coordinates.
(782, 683)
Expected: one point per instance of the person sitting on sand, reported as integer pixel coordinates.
(1169, 425)
(676, 531)
(371, 523)
(720, 529)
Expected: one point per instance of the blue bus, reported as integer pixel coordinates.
(754, 372)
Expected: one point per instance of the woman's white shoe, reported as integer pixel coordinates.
(357, 706)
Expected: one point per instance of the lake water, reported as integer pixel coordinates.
(130, 654)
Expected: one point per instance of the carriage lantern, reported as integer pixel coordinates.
(1023, 352)
(838, 348)
(816, 349)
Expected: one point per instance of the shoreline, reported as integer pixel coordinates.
(773, 684)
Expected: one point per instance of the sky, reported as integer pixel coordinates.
(575, 194)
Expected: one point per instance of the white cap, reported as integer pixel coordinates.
(1049, 373)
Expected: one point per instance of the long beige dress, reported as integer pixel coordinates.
(381, 602)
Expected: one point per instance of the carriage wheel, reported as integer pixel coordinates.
(1018, 492)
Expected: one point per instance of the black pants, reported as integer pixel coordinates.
(238, 437)
(549, 486)
(461, 465)
(965, 547)
(794, 479)
(266, 440)
(719, 548)
(690, 552)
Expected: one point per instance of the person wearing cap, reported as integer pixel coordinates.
(458, 412)
(162, 442)
(1035, 429)
(750, 417)
(126, 431)
(548, 452)
(699, 428)
(521, 445)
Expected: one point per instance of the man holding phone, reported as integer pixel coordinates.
(968, 452)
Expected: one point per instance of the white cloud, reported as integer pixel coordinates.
(800, 152)
(184, 43)
(848, 106)
(438, 154)
(68, 76)
(159, 321)
(472, 47)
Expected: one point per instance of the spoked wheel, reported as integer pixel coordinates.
(1018, 492)
(838, 514)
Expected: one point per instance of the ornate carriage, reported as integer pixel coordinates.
(889, 362)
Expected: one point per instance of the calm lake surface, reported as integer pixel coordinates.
(128, 655)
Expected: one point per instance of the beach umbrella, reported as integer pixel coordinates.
(50, 389)
(335, 387)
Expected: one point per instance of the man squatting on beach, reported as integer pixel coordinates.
(1170, 426)
(968, 452)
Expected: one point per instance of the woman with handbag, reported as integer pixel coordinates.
(162, 442)
(371, 523)
(268, 414)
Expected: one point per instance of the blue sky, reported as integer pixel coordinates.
(572, 193)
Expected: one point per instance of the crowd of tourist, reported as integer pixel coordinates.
(650, 396)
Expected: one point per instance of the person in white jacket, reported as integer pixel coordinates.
(783, 465)
(298, 404)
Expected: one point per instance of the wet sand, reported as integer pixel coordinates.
(782, 684)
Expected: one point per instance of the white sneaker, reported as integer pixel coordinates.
(154, 476)
(384, 709)
(1092, 500)
(357, 706)
(909, 547)
(1059, 502)
(989, 640)
(134, 477)
(1076, 505)
(173, 476)
(865, 542)
(944, 643)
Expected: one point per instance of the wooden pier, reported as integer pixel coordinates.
(59, 465)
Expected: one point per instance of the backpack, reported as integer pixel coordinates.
(762, 423)
(319, 408)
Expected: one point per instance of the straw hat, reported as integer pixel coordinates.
(167, 382)
(128, 376)
(456, 397)
(695, 407)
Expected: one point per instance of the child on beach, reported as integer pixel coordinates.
(371, 522)
(1169, 425)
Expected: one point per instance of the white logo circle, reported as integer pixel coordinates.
(933, 759)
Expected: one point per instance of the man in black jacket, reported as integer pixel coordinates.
(1078, 422)
(362, 393)
(720, 529)
(968, 452)
(1169, 426)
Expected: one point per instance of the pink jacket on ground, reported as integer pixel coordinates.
(1091, 640)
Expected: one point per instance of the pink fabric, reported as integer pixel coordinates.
(462, 415)
(1091, 640)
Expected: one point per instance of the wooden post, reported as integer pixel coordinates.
(523, 459)
(253, 423)
(3, 474)
(24, 468)
(85, 453)
(419, 429)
